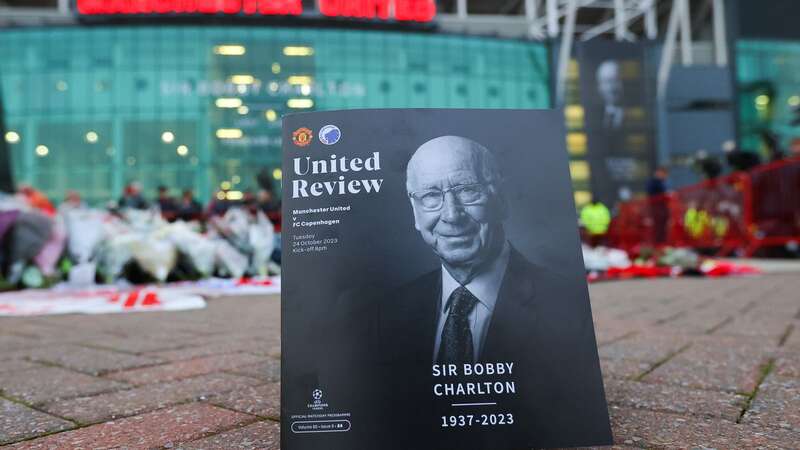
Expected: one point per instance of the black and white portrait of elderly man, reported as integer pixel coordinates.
(473, 307)
(610, 87)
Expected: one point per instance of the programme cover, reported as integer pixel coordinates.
(433, 292)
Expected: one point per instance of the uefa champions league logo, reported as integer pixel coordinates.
(317, 404)
(329, 134)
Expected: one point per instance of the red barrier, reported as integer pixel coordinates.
(743, 212)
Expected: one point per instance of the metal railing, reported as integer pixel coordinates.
(741, 212)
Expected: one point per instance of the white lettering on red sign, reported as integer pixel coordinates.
(402, 10)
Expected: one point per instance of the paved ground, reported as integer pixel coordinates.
(687, 363)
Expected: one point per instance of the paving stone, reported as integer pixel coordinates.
(726, 364)
(274, 351)
(14, 365)
(96, 328)
(146, 398)
(771, 328)
(185, 369)
(610, 333)
(793, 340)
(777, 404)
(213, 347)
(264, 435)
(635, 312)
(668, 316)
(19, 422)
(61, 330)
(164, 427)
(141, 343)
(675, 399)
(261, 400)
(649, 348)
(787, 363)
(701, 322)
(52, 383)
(613, 447)
(623, 368)
(772, 311)
(10, 342)
(269, 370)
(89, 360)
(649, 429)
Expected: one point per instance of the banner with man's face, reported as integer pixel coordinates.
(618, 118)
(433, 291)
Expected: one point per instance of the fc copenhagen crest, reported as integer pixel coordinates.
(302, 137)
(329, 134)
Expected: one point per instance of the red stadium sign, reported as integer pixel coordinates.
(400, 10)
(250, 7)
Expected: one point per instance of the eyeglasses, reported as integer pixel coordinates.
(466, 194)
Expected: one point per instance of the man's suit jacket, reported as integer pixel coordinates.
(407, 322)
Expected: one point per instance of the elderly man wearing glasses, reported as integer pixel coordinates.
(484, 285)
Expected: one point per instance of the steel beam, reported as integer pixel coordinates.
(552, 17)
(565, 52)
(650, 18)
(461, 9)
(668, 52)
(686, 32)
(720, 42)
(619, 20)
(609, 25)
(535, 30)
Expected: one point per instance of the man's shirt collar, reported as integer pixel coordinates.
(485, 286)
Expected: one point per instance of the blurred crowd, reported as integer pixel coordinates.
(735, 159)
(182, 208)
(186, 208)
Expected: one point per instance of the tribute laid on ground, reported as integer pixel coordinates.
(434, 294)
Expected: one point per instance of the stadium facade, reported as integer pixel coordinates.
(194, 101)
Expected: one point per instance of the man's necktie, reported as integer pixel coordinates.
(456, 346)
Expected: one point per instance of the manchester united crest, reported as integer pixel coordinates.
(302, 137)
